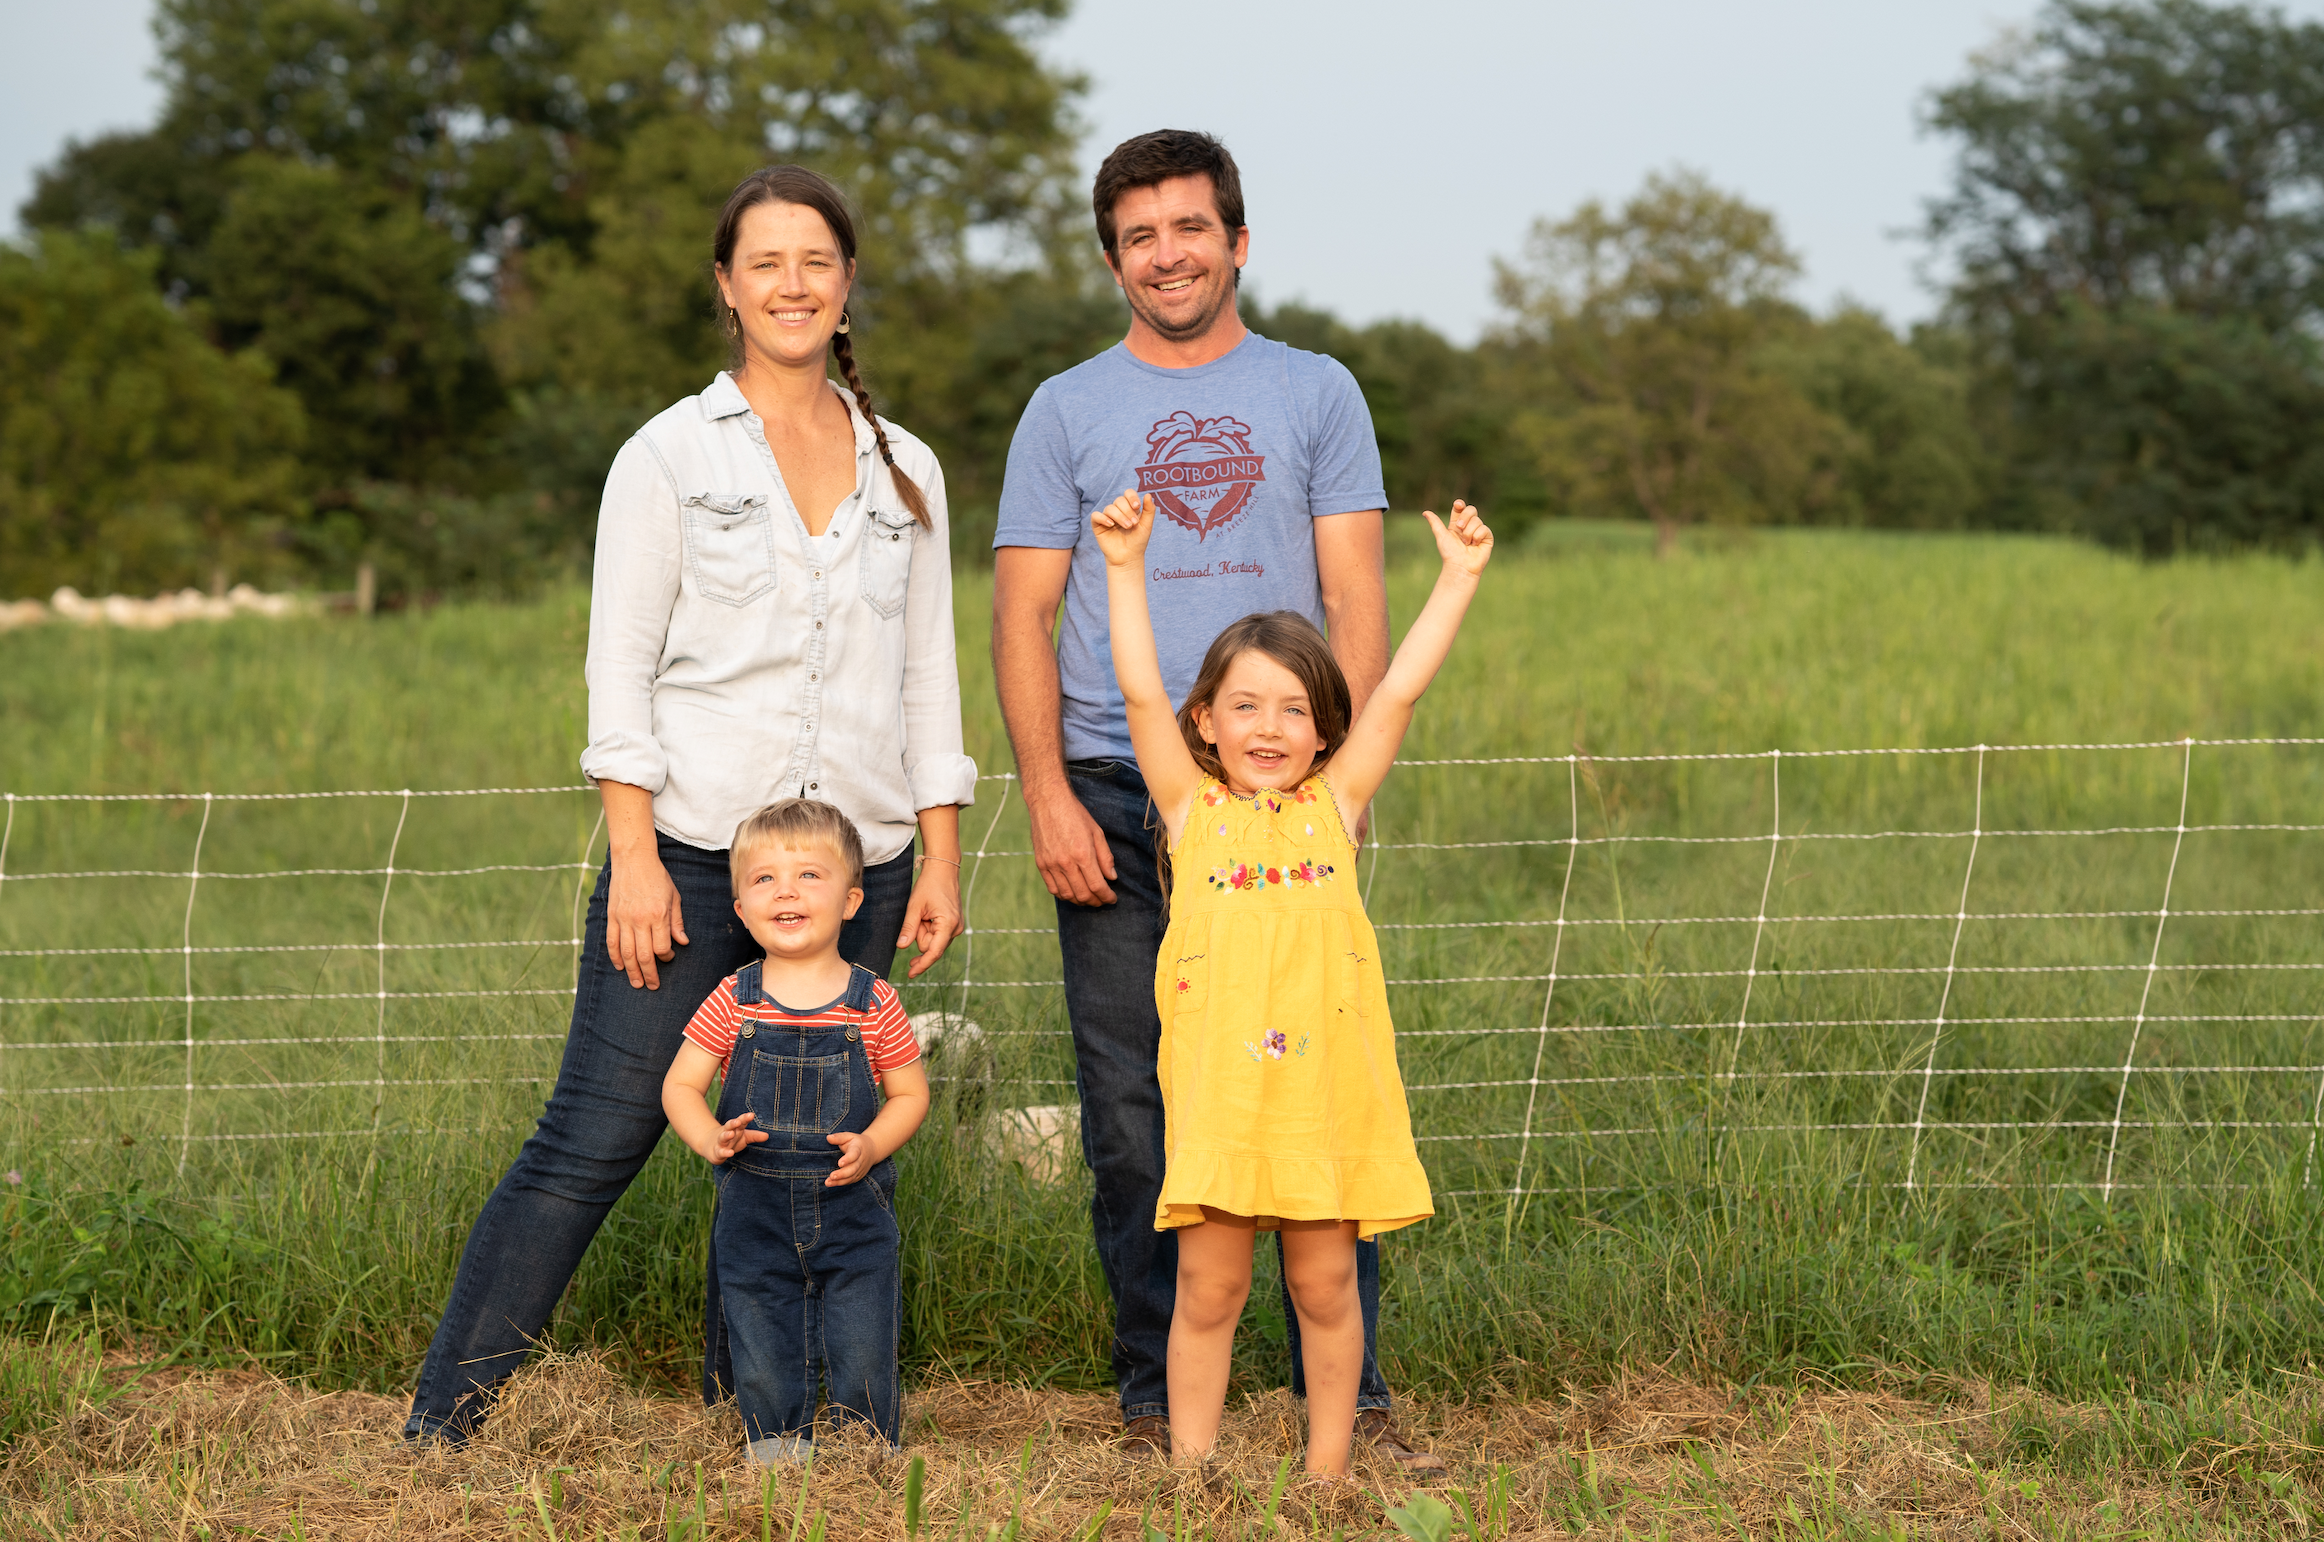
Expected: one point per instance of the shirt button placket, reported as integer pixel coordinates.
(806, 761)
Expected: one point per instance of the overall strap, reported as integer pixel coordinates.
(746, 985)
(859, 988)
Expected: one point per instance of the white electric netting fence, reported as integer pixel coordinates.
(2085, 965)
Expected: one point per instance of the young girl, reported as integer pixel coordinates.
(1282, 1107)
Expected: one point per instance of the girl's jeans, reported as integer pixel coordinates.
(1109, 995)
(811, 1276)
(601, 1124)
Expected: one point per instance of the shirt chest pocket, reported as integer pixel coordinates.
(730, 545)
(888, 539)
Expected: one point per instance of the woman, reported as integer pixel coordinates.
(772, 615)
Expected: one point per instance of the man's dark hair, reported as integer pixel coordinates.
(1155, 158)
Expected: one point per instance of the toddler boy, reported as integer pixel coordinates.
(809, 1255)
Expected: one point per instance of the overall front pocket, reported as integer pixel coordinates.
(797, 1094)
(888, 539)
(730, 545)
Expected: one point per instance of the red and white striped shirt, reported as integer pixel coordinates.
(887, 1033)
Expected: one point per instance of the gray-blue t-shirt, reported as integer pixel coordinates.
(1240, 454)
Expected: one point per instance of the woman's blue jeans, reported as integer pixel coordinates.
(602, 1122)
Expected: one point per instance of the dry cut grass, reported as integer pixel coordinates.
(574, 1452)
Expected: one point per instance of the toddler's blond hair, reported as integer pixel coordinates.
(795, 822)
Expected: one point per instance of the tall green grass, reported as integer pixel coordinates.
(1689, 1196)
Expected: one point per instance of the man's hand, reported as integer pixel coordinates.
(642, 919)
(855, 1158)
(1123, 527)
(1070, 850)
(1068, 847)
(733, 1139)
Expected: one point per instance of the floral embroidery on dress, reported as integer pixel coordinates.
(1267, 800)
(1274, 1046)
(1251, 877)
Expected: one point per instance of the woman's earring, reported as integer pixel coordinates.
(842, 321)
(731, 322)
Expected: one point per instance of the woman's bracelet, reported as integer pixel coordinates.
(947, 861)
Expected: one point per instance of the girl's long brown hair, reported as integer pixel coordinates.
(1294, 642)
(796, 184)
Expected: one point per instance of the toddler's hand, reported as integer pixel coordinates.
(1465, 544)
(733, 1139)
(1123, 527)
(855, 1158)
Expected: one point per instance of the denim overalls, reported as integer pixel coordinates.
(811, 1277)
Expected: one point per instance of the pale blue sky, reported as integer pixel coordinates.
(1391, 150)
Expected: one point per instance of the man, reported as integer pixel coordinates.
(1262, 462)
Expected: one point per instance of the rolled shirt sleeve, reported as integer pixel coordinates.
(640, 548)
(935, 767)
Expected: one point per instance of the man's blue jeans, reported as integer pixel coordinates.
(1109, 953)
(601, 1124)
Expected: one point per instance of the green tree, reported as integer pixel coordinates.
(133, 454)
(1908, 452)
(353, 295)
(2136, 222)
(365, 191)
(2164, 432)
(1642, 331)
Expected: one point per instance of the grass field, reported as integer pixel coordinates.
(575, 1453)
(1697, 1204)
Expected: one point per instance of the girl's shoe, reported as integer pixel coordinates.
(1376, 1429)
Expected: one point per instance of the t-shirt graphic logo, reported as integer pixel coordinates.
(1201, 470)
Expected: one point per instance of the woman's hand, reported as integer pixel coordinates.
(1465, 544)
(933, 917)
(1123, 527)
(642, 918)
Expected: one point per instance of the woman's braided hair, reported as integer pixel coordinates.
(798, 185)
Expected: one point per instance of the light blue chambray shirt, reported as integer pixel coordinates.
(734, 659)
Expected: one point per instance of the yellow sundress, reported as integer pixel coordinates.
(1280, 1094)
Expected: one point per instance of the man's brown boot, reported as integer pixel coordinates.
(1375, 1429)
(1148, 1437)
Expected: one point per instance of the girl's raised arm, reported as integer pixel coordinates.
(1361, 764)
(1123, 527)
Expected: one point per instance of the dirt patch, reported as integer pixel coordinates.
(573, 1452)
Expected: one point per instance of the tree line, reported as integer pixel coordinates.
(388, 283)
